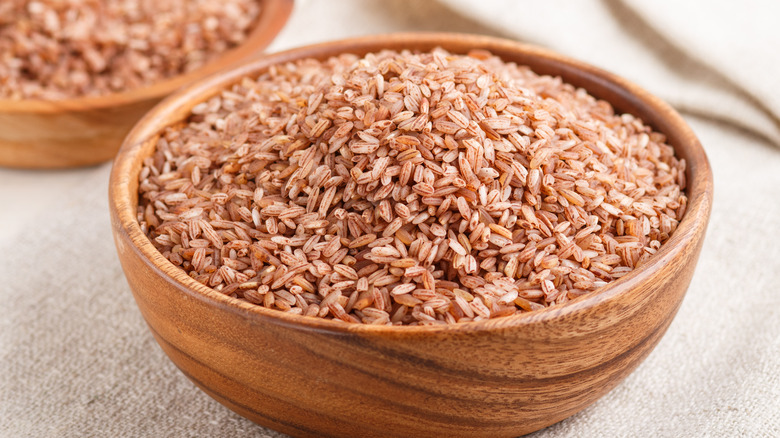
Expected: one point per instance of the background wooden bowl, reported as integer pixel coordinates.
(89, 130)
(502, 377)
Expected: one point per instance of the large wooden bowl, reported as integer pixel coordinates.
(39, 134)
(502, 377)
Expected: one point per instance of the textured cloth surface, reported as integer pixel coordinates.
(718, 59)
(76, 358)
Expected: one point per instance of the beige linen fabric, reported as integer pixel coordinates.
(718, 58)
(76, 358)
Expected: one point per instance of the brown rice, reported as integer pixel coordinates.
(61, 49)
(409, 188)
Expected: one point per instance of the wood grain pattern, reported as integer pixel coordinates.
(503, 377)
(85, 131)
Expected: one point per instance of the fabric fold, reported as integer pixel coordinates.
(682, 51)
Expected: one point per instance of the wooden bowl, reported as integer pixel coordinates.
(502, 377)
(39, 134)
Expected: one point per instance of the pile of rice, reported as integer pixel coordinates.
(409, 188)
(58, 49)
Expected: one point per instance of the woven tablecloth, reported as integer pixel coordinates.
(76, 358)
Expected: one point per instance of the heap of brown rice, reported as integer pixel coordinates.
(409, 188)
(69, 48)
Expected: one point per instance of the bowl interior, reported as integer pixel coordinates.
(623, 95)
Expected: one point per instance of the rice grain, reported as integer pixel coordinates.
(409, 188)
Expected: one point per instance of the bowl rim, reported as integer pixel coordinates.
(688, 235)
(270, 21)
